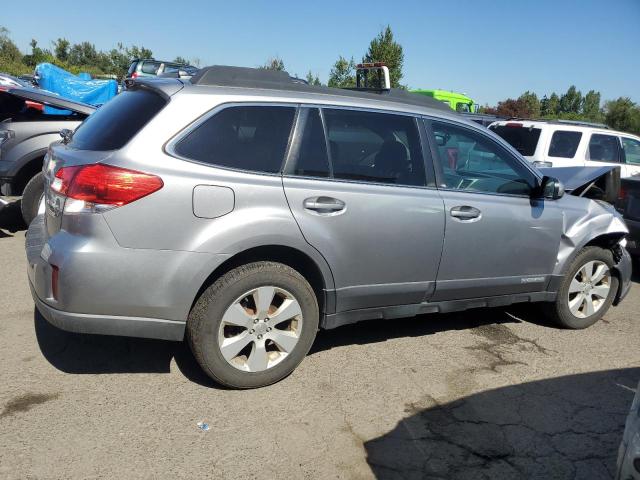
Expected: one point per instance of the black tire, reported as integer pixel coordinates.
(204, 321)
(31, 196)
(559, 310)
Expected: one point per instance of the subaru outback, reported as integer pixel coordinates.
(242, 211)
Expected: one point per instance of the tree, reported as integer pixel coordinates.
(571, 101)
(342, 73)
(274, 63)
(623, 114)
(513, 108)
(532, 108)
(385, 49)
(37, 55)
(61, 49)
(591, 106)
(181, 60)
(313, 79)
(549, 106)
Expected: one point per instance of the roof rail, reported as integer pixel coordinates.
(561, 121)
(225, 76)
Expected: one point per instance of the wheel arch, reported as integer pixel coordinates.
(321, 280)
(31, 165)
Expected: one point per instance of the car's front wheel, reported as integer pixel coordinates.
(587, 290)
(254, 325)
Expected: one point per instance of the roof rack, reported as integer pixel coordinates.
(562, 122)
(225, 76)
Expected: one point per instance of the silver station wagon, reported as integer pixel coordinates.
(243, 210)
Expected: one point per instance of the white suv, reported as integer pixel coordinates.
(566, 144)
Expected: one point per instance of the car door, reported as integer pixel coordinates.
(356, 184)
(631, 149)
(606, 149)
(498, 240)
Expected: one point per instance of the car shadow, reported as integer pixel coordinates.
(11, 218)
(565, 427)
(374, 331)
(78, 353)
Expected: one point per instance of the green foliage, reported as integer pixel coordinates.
(571, 102)
(61, 49)
(343, 73)
(591, 106)
(274, 63)
(623, 114)
(180, 59)
(530, 104)
(385, 49)
(313, 79)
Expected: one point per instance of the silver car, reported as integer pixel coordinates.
(243, 211)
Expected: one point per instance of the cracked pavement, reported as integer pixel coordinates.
(491, 393)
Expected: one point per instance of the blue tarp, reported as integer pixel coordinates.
(74, 87)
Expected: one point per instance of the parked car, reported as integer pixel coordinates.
(26, 130)
(243, 219)
(7, 80)
(150, 67)
(629, 452)
(629, 206)
(564, 143)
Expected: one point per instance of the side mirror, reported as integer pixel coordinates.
(551, 188)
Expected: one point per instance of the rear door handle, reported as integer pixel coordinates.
(324, 205)
(465, 212)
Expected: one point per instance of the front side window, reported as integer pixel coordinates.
(244, 137)
(631, 150)
(470, 161)
(604, 148)
(564, 143)
(374, 147)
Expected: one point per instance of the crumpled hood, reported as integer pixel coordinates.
(575, 177)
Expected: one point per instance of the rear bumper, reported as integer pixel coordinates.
(107, 289)
(108, 325)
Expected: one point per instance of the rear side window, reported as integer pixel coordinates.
(524, 140)
(150, 67)
(374, 147)
(116, 122)
(604, 148)
(564, 144)
(248, 138)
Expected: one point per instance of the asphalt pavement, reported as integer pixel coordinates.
(489, 393)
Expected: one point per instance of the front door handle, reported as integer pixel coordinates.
(324, 205)
(465, 212)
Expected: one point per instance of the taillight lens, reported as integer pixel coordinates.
(135, 75)
(104, 185)
(55, 273)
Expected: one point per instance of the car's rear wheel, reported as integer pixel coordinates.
(587, 290)
(254, 325)
(32, 202)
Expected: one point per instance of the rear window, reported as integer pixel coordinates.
(564, 144)
(116, 122)
(248, 138)
(524, 140)
(150, 67)
(132, 68)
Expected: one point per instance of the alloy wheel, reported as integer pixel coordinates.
(260, 329)
(589, 289)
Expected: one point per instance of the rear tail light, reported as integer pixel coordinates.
(99, 187)
(135, 75)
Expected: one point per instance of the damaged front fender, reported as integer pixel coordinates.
(597, 224)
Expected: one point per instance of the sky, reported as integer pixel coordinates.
(490, 50)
